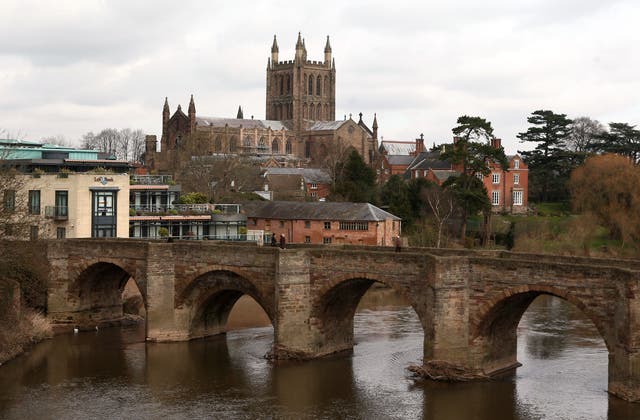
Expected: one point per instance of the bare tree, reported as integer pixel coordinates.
(584, 133)
(124, 144)
(334, 159)
(442, 205)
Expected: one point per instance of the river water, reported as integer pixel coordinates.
(113, 373)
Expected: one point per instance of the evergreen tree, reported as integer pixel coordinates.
(395, 195)
(550, 163)
(472, 152)
(356, 181)
(622, 139)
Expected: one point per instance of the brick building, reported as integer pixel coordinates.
(324, 223)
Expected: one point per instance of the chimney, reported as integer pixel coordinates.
(496, 143)
(420, 144)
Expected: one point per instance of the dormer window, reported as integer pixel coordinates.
(516, 164)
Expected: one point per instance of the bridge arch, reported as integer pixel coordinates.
(96, 293)
(493, 328)
(206, 302)
(335, 305)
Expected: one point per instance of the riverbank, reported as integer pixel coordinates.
(32, 328)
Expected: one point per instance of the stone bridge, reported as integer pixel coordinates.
(469, 303)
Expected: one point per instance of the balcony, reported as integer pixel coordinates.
(57, 212)
(152, 180)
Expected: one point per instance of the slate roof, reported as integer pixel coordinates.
(443, 175)
(394, 147)
(293, 210)
(404, 160)
(326, 125)
(311, 175)
(429, 160)
(237, 122)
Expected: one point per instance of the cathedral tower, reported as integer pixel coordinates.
(301, 90)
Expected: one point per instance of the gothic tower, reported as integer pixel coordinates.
(301, 90)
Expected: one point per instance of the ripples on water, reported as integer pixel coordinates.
(114, 374)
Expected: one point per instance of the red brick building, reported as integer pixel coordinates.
(324, 223)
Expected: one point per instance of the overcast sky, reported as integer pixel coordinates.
(69, 67)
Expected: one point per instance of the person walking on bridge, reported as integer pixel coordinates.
(398, 243)
(282, 241)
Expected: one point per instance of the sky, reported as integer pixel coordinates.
(70, 67)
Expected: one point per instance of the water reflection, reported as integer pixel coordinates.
(113, 373)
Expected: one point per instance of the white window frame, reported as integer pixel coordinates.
(495, 178)
(516, 179)
(495, 198)
(516, 164)
(518, 197)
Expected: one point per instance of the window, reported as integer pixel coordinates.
(354, 226)
(516, 164)
(314, 186)
(288, 147)
(33, 233)
(517, 198)
(314, 194)
(34, 201)
(254, 222)
(495, 198)
(9, 200)
(62, 204)
(307, 239)
(326, 240)
(479, 175)
(104, 214)
(495, 178)
(318, 84)
(310, 90)
(516, 178)
(327, 225)
(307, 224)
(61, 233)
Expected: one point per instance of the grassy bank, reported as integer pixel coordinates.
(32, 328)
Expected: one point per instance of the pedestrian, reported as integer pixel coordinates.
(398, 242)
(282, 241)
(274, 241)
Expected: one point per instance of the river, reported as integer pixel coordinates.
(113, 373)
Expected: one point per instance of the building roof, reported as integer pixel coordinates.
(311, 175)
(291, 210)
(443, 175)
(326, 125)
(237, 122)
(403, 160)
(394, 147)
(429, 160)
(286, 182)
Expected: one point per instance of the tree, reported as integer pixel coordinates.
(356, 181)
(395, 195)
(472, 153)
(125, 144)
(584, 135)
(608, 186)
(442, 205)
(550, 163)
(622, 139)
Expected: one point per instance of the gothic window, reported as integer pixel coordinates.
(305, 83)
(307, 150)
(288, 84)
(233, 144)
(326, 85)
(261, 144)
(288, 147)
(319, 112)
(281, 85)
(318, 85)
(275, 147)
(247, 141)
(305, 115)
(326, 112)
(217, 144)
(312, 111)
(310, 85)
(291, 111)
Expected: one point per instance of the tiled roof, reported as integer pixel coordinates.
(400, 159)
(292, 210)
(443, 175)
(237, 122)
(429, 160)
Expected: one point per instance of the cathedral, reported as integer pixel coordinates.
(300, 128)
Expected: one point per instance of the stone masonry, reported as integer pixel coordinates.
(469, 303)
